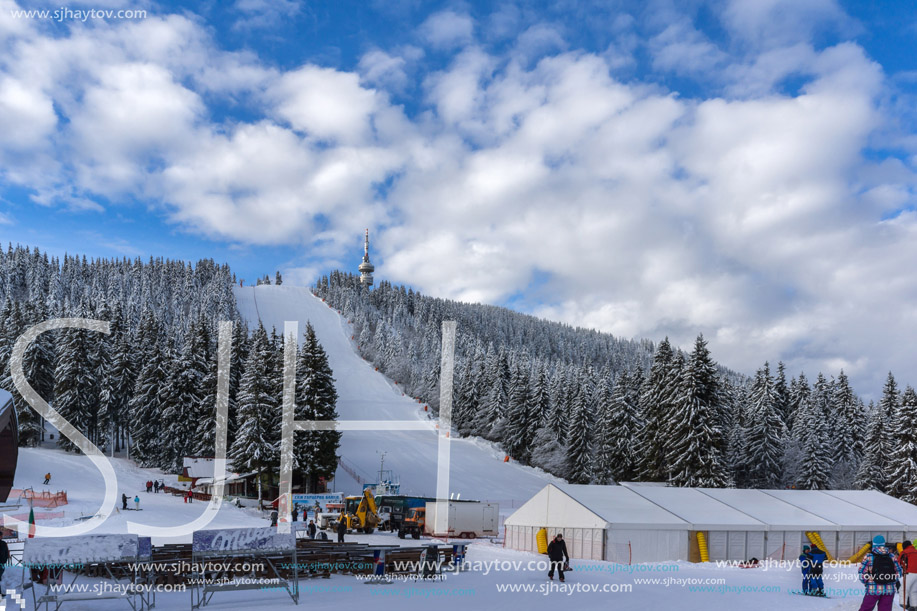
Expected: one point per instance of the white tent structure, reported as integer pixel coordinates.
(653, 523)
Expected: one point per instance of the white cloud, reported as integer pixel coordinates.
(447, 30)
(751, 216)
(325, 104)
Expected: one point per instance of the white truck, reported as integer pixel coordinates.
(467, 519)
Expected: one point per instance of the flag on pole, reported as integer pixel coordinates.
(31, 523)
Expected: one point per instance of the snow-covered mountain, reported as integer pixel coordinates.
(477, 468)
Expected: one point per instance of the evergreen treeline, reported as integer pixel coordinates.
(588, 407)
(150, 386)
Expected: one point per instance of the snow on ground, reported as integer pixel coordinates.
(477, 467)
(82, 481)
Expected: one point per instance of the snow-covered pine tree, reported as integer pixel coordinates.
(811, 430)
(521, 423)
(654, 411)
(119, 386)
(256, 447)
(849, 425)
(579, 442)
(540, 399)
(602, 435)
(872, 473)
(315, 453)
(766, 434)
(782, 396)
(278, 279)
(72, 389)
(623, 429)
(145, 406)
(698, 443)
(902, 480)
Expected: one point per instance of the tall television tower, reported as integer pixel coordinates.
(366, 268)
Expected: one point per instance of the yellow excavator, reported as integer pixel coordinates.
(360, 512)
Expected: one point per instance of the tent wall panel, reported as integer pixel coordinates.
(775, 549)
(754, 547)
(736, 546)
(717, 545)
(794, 543)
(846, 544)
(649, 545)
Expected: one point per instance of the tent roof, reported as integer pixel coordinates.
(669, 508)
(621, 507)
(703, 511)
(774, 512)
(882, 504)
(846, 515)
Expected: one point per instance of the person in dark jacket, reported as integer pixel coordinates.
(123, 501)
(557, 554)
(274, 516)
(310, 529)
(816, 584)
(295, 512)
(342, 529)
(805, 565)
(4, 558)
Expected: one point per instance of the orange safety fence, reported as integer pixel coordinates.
(41, 499)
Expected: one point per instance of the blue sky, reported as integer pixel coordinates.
(742, 168)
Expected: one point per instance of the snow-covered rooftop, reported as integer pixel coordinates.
(670, 508)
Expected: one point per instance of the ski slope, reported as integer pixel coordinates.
(79, 477)
(477, 468)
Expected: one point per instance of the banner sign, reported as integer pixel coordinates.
(82, 549)
(265, 539)
(308, 500)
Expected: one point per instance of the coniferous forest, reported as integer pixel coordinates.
(592, 408)
(149, 387)
(580, 404)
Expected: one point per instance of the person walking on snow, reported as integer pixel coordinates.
(311, 529)
(879, 572)
(557, 554)
(908, 561)
(137, 503)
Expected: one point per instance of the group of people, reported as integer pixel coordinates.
(124, 501)
(155, 486)
(881, 572)
(812, 561)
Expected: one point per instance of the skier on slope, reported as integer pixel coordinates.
(123, 501)
(137, 503)
(557, 553)
(879, 572)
